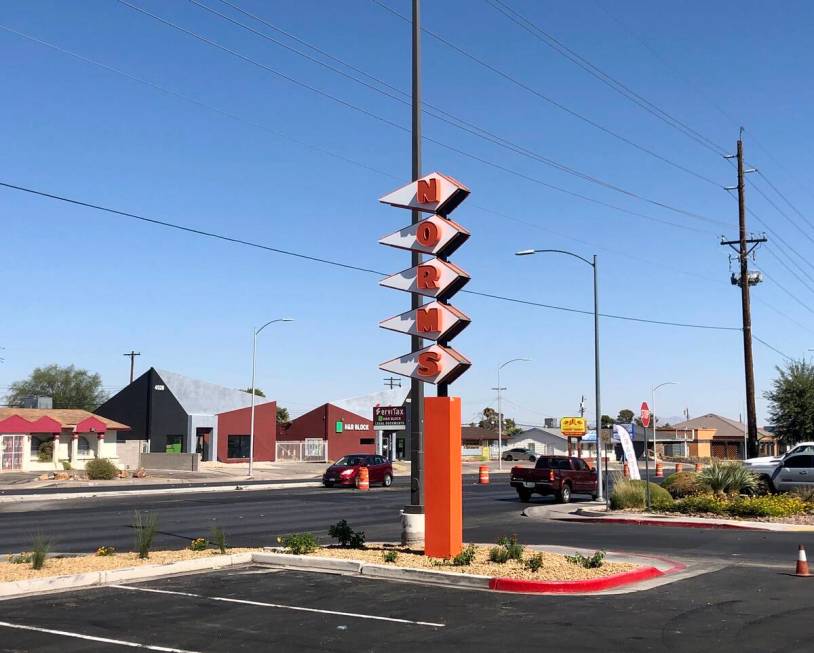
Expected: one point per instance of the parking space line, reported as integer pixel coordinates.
(263, 604)
(93, 638)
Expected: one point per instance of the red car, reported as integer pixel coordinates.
(557, 475)
(345, 471)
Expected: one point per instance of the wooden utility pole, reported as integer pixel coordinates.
(745, 246)
(132, 356)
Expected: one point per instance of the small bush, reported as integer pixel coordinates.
(218, 538)
(805, 493)
(682, 484)
(66, 465)
(19, 558)
(39, 551)
(498, 554)
(45, 452)
(146, 526)
(534, 562)
(101, 469)
(390, 556)
(777, 505)
(728, 478)
(105, 551)
(589, 562)
(631, 494)
(198, 544)
(700, 503)
(465, 557)
(299, 543)
(514, 549)
(346, 536)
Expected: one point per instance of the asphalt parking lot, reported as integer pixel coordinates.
(255, 608)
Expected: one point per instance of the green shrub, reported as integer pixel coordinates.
(145, 526)
(631, 494)
(806, 493)
(346, 536)
(101, 469)
(45, 452)
(299, 543)
(775, 505)
(19, 558)
(66, 465)
(39, 551)
(699, 503)
(682, 484)
(534, 562)
(198, 544)
(465, 557)
(729, 477)
(218, 538)
(589, 562)
(514, 549)
(390, 556)
(106, 551)
(498, 554)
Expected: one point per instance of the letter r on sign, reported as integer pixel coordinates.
(427, 277)
(428, 364)
(428, 320)
(427, 191)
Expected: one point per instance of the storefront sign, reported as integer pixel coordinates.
(573, 426)
(436, 235)
(433, 321)
(389, 418)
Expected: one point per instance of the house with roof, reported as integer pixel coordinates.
(711, 436)
(42, 439)
(171, 413)
(541, 440)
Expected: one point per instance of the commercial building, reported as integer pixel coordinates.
(234, 434)
(477, 442)
(172, 413)
(541, 440)
(392, 444)
(327, 432)
(711, 436)
(37, 439)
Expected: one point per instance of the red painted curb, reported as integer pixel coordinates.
(658, 522)
(571, 586)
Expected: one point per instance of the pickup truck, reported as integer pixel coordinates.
(557, 475)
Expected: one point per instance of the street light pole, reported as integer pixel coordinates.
(500, 412)
(254, 366)
(600, 495)
(653, 416)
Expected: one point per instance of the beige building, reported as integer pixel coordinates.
(43, 439)
(713, 436)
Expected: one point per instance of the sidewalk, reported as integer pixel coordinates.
(595, 512)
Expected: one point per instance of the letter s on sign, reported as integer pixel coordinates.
(429, 364)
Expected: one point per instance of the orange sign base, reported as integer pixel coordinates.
(443, 500)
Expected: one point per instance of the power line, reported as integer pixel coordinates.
(774, 349)
(350, 105)
(347, 266)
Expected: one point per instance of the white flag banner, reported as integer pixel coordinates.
(630, 453)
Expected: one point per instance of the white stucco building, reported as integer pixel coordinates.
(549, 441)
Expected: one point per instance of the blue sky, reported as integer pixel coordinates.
(83, 287)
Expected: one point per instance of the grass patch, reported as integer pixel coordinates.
(146, 526)
(39, 551)
(630, 494)
(218, 538)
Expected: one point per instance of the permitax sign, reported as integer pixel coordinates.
(436, 278)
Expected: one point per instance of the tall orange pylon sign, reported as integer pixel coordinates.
(438, 363)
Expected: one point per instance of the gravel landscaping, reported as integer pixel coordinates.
(554, 567)
(55, 566)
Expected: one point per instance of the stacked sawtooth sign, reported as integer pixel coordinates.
(436, 278)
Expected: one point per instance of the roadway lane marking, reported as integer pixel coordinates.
(281, 606)
(92, 638)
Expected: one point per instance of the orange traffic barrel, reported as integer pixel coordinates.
(697, 467)
(626, 471)
(363, 480)
(483, 475)
(659, 470)
(679, 467)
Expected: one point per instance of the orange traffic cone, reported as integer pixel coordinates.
(802, 562)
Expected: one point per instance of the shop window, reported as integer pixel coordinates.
(238, 446)
(174, 444)
(83, 446)
(367, 440)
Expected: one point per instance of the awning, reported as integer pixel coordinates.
(90, 424)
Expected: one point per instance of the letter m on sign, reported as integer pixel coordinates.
(428, 320)
(428, 191)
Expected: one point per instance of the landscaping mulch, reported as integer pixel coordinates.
(555, 566)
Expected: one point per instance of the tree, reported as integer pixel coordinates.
(607, 421)
(489, 421)
(67, 386)
(257, 392)
(282, 415)
(791, 402)
(625, 416)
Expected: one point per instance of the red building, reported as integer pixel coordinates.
(344, 431)
(234, 428)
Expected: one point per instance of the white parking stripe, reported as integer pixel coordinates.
(92, 638)
(281, 606)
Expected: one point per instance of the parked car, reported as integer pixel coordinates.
(765, 466)
(795, 471)
(561, 476)
(345, 471)
(519, 453)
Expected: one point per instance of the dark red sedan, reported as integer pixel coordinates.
(345, 471)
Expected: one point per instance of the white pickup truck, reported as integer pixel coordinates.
(764, 467)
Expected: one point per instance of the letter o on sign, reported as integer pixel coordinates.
(428, 234)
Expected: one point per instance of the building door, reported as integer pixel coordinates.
(11, 452)
(400, 449)
(204, 442)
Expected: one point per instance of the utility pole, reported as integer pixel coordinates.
(392, 382)
(582, 406)
(744, 246)
(132, 356)
(416, 386)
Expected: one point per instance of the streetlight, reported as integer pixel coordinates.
(646, 454)
(500, 412)
(592, 263)
(254, 360)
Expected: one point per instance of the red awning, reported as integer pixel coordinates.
(46, 424)
(90, 424)
(15, 424)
